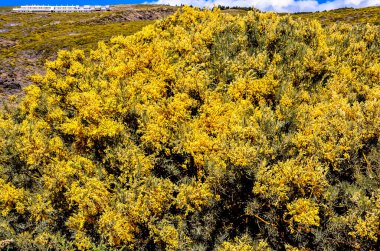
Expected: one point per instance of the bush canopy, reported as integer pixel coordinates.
(204, 131)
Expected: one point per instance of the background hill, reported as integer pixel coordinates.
(347, 15)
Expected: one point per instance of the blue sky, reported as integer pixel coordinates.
(265, 5)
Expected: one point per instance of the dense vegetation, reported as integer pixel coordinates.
(27, 40)
(203, 131)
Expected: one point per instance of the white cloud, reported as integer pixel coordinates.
(278, 5)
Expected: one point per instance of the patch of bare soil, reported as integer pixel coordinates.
(14, 75)
(8, 81)
(132, 15)
(5, 43)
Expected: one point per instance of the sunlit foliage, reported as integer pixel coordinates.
(204, 131)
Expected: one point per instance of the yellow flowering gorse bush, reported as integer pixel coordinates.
(203, 131)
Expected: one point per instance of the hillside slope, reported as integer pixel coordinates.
(352, 16)
(203, 131)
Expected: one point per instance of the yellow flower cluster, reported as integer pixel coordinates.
(203, 131)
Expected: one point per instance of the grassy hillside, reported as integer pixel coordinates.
(203, 131)
(347, 15)
(5, 9)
